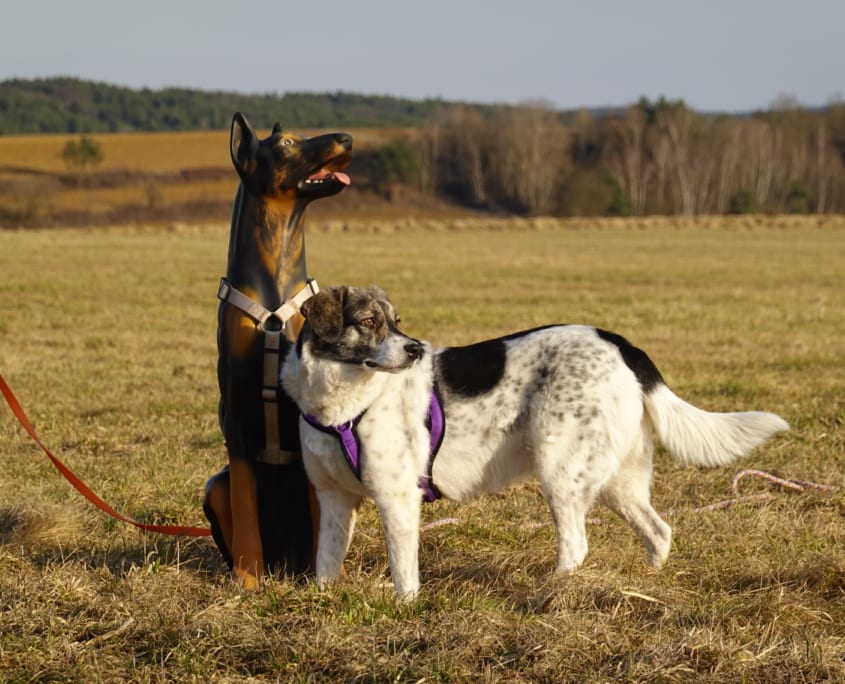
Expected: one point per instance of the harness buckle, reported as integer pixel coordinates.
(223, 289)
(273, 323)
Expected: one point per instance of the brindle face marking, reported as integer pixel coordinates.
(358, 327)
(286, 165)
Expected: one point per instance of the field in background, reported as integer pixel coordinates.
(146, 172)
(156, 152)
(107, 336)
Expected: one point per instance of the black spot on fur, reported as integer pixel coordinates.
(473, 370)
(477, 368)
(636, 359)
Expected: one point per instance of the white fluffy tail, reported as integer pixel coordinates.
(702, 438)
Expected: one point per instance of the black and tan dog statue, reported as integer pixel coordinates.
(263, 514)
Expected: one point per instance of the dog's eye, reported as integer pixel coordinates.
(397, 321)
(367, 322)
(287, 141)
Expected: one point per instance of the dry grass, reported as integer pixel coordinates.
(140, 173)
(108, 338)
(153, 152)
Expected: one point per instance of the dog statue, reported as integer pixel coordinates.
(573, 406)
(261, 514)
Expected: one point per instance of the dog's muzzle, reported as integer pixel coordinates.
(415, 350)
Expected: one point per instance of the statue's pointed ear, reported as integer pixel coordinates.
(324, 313)
(242, 144)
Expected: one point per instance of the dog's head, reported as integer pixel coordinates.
(285, 165)
(357, 327)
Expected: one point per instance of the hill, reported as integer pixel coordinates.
(70, 105)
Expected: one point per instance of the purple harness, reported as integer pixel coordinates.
(351, 445)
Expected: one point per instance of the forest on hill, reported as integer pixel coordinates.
(652, 157)
(70, 105)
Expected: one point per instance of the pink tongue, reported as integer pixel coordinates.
(337, 175)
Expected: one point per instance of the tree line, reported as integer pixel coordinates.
(652, 158)
(70, 105)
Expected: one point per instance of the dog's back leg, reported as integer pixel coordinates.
(338, 511)
(628, 494)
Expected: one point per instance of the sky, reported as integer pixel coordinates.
(716, 55)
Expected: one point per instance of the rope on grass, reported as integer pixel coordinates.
(439, 523)
(796, 485)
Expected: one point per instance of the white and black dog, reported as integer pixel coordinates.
(574, 406)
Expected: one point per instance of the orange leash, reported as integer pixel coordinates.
(81, 487)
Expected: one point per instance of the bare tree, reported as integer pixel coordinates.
(629, 160)
(474, 150)
(828, 169)
(728, 173)
(756, 159)
(454, 150)
(676, 123)
(661, 152)
(822, 176)
(532, 157)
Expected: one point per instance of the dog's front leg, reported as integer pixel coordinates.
(400, 517)
(338, 510)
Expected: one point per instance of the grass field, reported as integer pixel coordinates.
(108, 338)
(154, 152)
(140, 173)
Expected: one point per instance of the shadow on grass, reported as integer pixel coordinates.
(53, 535)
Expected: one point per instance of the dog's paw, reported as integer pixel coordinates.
(325, 581)
(407, 596)
(407, 592)
(658, 551)
(246, 580)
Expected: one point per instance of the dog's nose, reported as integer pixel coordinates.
(414, 350)
(344, 139)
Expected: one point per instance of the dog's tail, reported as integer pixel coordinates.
(703, 438)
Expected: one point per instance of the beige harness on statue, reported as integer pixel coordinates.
(272, 452)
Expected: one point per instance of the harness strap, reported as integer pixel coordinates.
(272, 452)
(348, 438)
(270, 394)
(436, 424)
(259, 313)
(350, 445)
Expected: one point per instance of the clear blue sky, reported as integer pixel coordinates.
(728, 55)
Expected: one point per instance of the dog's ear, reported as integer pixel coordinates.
(243, 144)
(324, 313)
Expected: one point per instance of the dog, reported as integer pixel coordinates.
(573, 406)
(261, 514)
